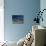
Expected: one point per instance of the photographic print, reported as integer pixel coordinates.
(18, 19)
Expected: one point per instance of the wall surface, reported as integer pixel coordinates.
(43, 6)
(1, 20)
(13, 32)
